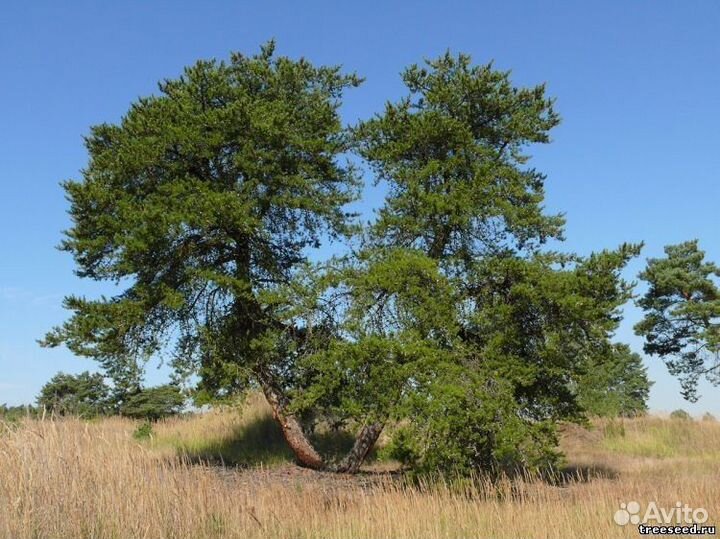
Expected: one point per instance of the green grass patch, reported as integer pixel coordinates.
(659, 438)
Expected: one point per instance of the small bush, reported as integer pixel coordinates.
(680, 414)
(709, 417)
(144, 431)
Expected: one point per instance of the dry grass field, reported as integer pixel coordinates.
(73, 479)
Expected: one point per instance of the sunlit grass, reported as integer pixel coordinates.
(244, 434)
(662, 438)
(240, 435)
(73, 479)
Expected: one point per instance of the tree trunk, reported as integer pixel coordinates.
(292, 430)
(364, 442)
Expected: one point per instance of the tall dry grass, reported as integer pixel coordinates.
(71, 479)
(242, 434)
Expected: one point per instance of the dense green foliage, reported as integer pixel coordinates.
(492, 396)
(84, 395)
(451, 318)
(614, 383)
(446, 314)
(682, 315)
(203, 199)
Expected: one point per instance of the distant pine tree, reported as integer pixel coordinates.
(154, 403)
(84, 395)
(682, 315)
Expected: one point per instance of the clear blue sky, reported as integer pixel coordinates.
(636, 157)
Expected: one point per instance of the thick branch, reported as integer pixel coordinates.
(365, 441)
(292, 430)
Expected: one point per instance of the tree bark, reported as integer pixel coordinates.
(364, 442)
(292, 430)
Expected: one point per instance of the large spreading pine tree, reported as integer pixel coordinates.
(446, 315)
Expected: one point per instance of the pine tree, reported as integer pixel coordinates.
(682, 315)
(199, 203)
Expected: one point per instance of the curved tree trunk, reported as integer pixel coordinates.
(292, 430)
(297, 439)
(364, 442)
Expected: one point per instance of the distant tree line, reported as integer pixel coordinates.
(87, 395)
(15, 413)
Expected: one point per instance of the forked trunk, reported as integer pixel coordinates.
(292, 430)
(364, 442)
(298, 441)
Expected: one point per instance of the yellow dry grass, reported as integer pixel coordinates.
(73, 479)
